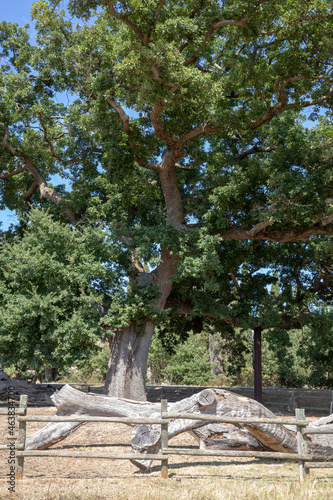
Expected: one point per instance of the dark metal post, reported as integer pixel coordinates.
(257, 364)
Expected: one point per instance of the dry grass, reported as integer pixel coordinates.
(190, 478)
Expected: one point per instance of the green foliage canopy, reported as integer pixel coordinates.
(184, 135)
(52, 283)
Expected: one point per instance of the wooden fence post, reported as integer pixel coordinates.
(164, 439)
(20, 444)
(302, 444)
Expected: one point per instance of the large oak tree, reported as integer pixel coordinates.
(177, 125)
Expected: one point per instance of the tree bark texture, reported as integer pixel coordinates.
(126, 374)
(257, 364)
(147, 438)
(127, 366)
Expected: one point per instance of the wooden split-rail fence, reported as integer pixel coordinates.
(305, 460)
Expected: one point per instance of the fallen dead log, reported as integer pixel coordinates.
(218, 402)
(226, 437)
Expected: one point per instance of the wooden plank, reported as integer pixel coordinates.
(234, 420)
(120, 420)
(22, 434)
(83, 454)
(318, 430)
(17, 446)
(317, 408)
(164, 439)
(17, 411)
(269, 403)
(317, 465)
(302, 446)
(231, 453)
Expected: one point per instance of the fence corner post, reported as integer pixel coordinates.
(302, 444)
(22, 434)
(164, 439)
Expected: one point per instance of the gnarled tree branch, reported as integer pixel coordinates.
(126, 127)
(53, 153)
(45, 191)
(255, 149)
(157, 77)
(17, 170)
(128, 23)
(210, 33)
(277, 236)
(283, 105)
(158, 9)
(8, 146)
(198, 131)
(159, 128)
(26, 198)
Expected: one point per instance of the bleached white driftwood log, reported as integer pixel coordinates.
(146, 438)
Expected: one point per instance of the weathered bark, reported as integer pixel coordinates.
(146, 438)
(227, 437)
(126, 374)
(215, 346)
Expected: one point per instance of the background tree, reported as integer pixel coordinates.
(52, 285)
(181, 133)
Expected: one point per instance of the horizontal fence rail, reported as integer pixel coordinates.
(119, 420)
(93, 454)
(302, 456)
(233, 420)
(318, 430)
(275, 455)
(305, 459)
(18, 411)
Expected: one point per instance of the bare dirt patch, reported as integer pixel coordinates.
(190, 478)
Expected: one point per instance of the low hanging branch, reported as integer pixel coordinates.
(217, 402)
(46, 192)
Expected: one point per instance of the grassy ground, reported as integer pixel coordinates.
(190, 478)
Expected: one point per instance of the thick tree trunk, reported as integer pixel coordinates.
(214, 346)
(126, 374)
(127, 365)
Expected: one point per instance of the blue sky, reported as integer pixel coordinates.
(16, 11)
